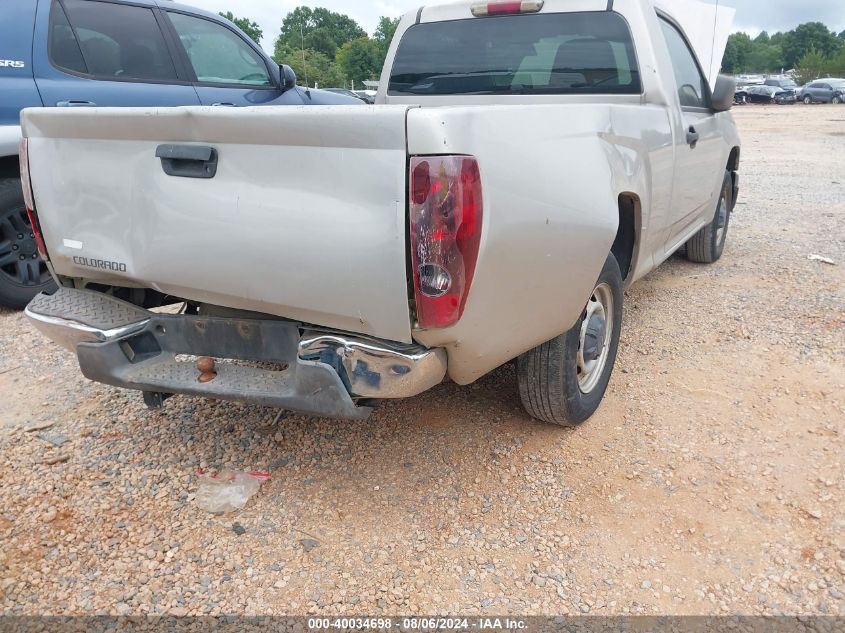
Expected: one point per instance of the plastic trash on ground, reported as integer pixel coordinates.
(228, 490)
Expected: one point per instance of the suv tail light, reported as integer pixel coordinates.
(29, 201)
(445, 213)
(508, 7)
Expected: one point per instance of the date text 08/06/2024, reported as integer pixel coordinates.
(417, 624)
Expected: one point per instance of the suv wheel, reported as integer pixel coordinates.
(808, 100)
(837, 100)
(564, 381)
(22, 273)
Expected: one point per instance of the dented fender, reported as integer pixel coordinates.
(551, 215)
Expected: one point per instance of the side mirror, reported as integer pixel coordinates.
(288, 77)
(723, 93)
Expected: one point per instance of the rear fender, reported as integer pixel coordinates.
(551, 215)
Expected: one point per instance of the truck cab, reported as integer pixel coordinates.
(85, 53)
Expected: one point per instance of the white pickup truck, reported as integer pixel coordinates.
(524, 162)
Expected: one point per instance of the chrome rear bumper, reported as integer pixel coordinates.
(377, 369)
(69, 333)
(320, 373)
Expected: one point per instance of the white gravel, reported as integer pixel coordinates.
(711, 481)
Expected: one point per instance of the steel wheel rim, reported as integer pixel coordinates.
(722, 220)
(590, 372)
(19, 260)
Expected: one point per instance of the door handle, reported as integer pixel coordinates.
(76, 104)
(692, 137)
(188, 161)
(224, 105)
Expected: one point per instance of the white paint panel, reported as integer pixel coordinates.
(305, 218)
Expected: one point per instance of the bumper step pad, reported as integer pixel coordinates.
(93, 309)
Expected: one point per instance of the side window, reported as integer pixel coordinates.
(109, 41)
(218, 55)
(63, 46)
(692, 87)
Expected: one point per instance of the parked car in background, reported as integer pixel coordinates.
(766, 94)
(831, 90)
(524, 164)
(78, 53)
(785, 83)
(750, 80)
(343, 91)
(366, 95)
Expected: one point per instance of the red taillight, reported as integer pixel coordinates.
(445, 216)
(29, 201)
(508, 7)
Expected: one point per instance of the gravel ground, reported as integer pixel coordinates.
(710, 482)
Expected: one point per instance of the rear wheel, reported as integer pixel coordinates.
(22, 273)
(707, 246)
(564, 381)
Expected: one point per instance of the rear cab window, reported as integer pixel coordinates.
(546, 53)
(110, 41)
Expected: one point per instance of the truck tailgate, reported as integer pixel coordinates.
(305, 217)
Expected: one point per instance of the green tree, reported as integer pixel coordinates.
(811, 66)
(312, 68)
(836, 65)
(247, 26)
(318, 29)
(763, 38)
(360, 59)
(385, 31)
(764, 58)
(806, 37)
(778, 39)
(736, 53)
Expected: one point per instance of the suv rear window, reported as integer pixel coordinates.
(552, 53)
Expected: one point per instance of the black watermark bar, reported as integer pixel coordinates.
(424, 624)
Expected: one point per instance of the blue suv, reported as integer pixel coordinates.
(77, 53)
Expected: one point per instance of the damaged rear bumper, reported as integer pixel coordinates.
(266, 362)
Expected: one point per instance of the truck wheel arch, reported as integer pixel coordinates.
(733, 170)
(626, 244)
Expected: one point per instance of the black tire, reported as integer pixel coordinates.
(808, 100)
(707, 246)
(836, 100)
(550, 381)
(20, 279)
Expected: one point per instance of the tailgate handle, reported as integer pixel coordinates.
(188, 161)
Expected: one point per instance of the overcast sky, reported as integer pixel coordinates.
(753, 16)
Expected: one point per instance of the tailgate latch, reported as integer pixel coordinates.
(188, 161)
